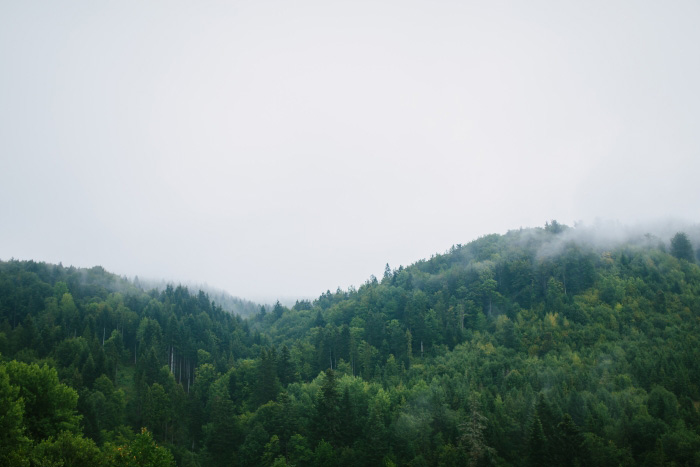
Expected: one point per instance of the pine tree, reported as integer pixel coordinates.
(472, 434)
(569, 443)
(536, 444)
(157, 410)
(327, 420)
(223, 432)
(285, 367)
(268, 384)
(347, 421)
(681, 247)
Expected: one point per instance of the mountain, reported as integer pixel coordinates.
(545, 346)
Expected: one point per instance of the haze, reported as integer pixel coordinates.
(280, 149)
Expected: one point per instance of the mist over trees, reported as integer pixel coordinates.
(681, 247)
(548, 346)
(225, 300)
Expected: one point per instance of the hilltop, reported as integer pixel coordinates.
(545, 346)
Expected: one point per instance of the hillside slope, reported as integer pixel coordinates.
(537, 347)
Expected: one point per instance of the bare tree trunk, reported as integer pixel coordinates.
(563, 275)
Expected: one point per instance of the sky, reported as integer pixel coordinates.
(278, 149)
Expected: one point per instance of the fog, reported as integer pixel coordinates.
(607, 235)
(280, 149)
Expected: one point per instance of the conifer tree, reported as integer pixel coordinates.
(569, 444)
(472, 434)
(681, 247)
(536, 444)
(327, 420)
(285, 367)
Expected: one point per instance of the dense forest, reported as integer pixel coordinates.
(225, 300)
(536, 347)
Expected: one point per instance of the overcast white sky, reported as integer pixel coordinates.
(282, 148)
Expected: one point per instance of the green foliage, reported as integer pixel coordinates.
(327, 411)
(525, 348)
(157, 413)
(49, 406)
(681, 247)
(13, 442)
(472, 435)
(142, 451)
(67, 449)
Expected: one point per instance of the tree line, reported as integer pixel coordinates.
(529, 348)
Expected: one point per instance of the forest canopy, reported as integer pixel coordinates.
(536, 347)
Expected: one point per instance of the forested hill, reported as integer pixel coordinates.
(222, 298)
(531, 348)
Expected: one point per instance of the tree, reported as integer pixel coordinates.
(327, 416)
(569, 444)
(344, 346)
(324, 455)
(285, 367)
(272, 451)
(67, 449)
(112, 410)
(278, 310)
(681, 247)
(268, 383)
(319, 321)
(114, 348)
(472, 434)
(157, 409)
(663, 404)
(387, 274)
(26, 334)
(555, 227)
(547, 417)
(49, 406)
(222, 433)
(89, 372)
(299, 452)
(536, 444)
(348, 429)
(69, 313)
(142, 451)
(254, 446)
(13, 442)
